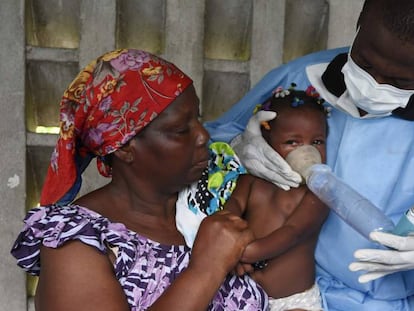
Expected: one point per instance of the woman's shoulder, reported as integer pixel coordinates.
(52, 226)
(62, 218)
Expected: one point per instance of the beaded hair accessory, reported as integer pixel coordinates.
(310, 91)
(280, 93)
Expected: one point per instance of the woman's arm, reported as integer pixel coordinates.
(305, 221)
(77, 277)
(211, 260)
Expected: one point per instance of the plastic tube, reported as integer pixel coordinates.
(357, 211)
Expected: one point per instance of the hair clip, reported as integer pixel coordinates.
(265, 106)
(257, 108)
(328, 111)
(292, 86)
(311, 92)
(296, 102)
(279, 92)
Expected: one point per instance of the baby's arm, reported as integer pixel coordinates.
(237, 203)
(305, 221)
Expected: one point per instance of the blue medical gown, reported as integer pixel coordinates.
(374, 156)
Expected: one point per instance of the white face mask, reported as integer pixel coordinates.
(370, 96)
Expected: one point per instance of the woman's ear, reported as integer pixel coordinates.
(126, 153)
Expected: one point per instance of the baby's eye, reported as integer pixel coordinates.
(292, 142)
(318, 142)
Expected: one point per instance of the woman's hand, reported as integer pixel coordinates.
(220, 242)
(243, 268)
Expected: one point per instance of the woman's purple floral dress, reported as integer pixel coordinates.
(144, 268)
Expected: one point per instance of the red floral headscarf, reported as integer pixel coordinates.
(109, 102)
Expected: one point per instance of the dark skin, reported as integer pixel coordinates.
(387, 58)
(168, 155)
(285, 223)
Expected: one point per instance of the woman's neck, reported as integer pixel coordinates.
(142, 210)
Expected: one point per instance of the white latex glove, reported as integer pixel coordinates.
(259, 158)
(380, 262)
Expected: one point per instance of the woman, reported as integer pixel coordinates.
(118, 247)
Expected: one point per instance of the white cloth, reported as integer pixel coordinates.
(187, 221)
(308, 300)
(209, 194)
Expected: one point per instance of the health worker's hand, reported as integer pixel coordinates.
(381, 262)
(260, 158)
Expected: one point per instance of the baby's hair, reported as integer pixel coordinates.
(396, 16)
(284, 98)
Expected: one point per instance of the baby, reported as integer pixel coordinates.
(286, 223)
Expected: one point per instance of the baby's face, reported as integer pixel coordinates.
(297, 127)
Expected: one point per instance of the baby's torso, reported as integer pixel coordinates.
(269, 209)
